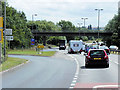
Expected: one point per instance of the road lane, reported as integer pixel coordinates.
(96, 75)
(41, 72)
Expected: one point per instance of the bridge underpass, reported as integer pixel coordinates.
(44, 34)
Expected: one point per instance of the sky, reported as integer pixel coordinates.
(69, 10)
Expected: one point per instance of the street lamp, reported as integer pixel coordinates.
(32, 22)
(84, 21)
(79, 27)
(98, 19)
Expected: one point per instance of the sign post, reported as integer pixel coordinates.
(1, 37)
(40, 49)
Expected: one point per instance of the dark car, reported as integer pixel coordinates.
(97, 57)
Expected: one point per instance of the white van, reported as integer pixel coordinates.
(75, 46)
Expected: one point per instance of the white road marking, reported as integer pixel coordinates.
(116, 62)
(105, 86)
(77, 72)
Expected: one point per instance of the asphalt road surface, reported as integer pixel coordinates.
(61, 71)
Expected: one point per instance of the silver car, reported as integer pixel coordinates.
(113, 47)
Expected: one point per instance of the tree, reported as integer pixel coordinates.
(113, 26)
(67, 26)
(17, 21)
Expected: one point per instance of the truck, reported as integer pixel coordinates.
(75, 46)
(62, 44)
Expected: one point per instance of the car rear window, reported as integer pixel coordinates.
(76, 45)
(97, 53)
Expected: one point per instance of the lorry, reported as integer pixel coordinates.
(75, 46)
(62, 44)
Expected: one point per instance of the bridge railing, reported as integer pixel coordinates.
(92, 31)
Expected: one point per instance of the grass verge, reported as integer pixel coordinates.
(31, 52)
(11, 62)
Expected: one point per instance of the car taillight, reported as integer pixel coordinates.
(88, 57)
(106, 57)
(80, 50)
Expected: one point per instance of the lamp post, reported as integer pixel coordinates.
(84, 21)
(98, 20)
(79, 28)
(32, 24)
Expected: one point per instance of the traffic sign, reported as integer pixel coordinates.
(32, 41)
(1, 35)
(40, 46)
(1, 22)
(8, 31)
(9, 38)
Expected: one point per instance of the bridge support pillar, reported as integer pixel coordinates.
(44, 40)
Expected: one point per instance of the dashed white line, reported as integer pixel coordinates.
(76, 74)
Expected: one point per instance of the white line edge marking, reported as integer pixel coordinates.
(104, 86)
(76, 74)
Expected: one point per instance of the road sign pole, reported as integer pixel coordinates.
(4, 31)
(1, 32)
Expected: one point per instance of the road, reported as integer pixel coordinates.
(61, 71)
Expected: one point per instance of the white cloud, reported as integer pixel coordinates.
(72, 10)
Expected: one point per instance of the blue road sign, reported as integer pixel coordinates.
(32, 41)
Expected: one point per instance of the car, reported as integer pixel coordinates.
(113, 47)
(96, 57)
(105, 48)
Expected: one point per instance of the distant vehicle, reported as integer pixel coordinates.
(97, 57)
(105, 48)
(87, 47)
(113, 47)
(62, 44)
(75, 46)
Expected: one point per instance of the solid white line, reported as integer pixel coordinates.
(105, 86)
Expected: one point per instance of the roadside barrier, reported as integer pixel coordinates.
(115, 51)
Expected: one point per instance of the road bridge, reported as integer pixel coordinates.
(44, 34)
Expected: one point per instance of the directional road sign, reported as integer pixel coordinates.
(9, 38)
(32, 41)
(8, 31)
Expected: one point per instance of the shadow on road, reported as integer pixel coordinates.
(93, 67)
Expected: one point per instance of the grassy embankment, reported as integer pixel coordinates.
(31, 52)
(11, 62)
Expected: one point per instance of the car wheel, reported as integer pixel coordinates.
(69, 52)
(107, 66)
(86, 66)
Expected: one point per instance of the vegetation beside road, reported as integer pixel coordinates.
(11, 62)
(31, 52)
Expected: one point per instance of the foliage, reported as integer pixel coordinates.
(113, 26)
(67, 26)
(17, 21)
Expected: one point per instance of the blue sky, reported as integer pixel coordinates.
(71, 10)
